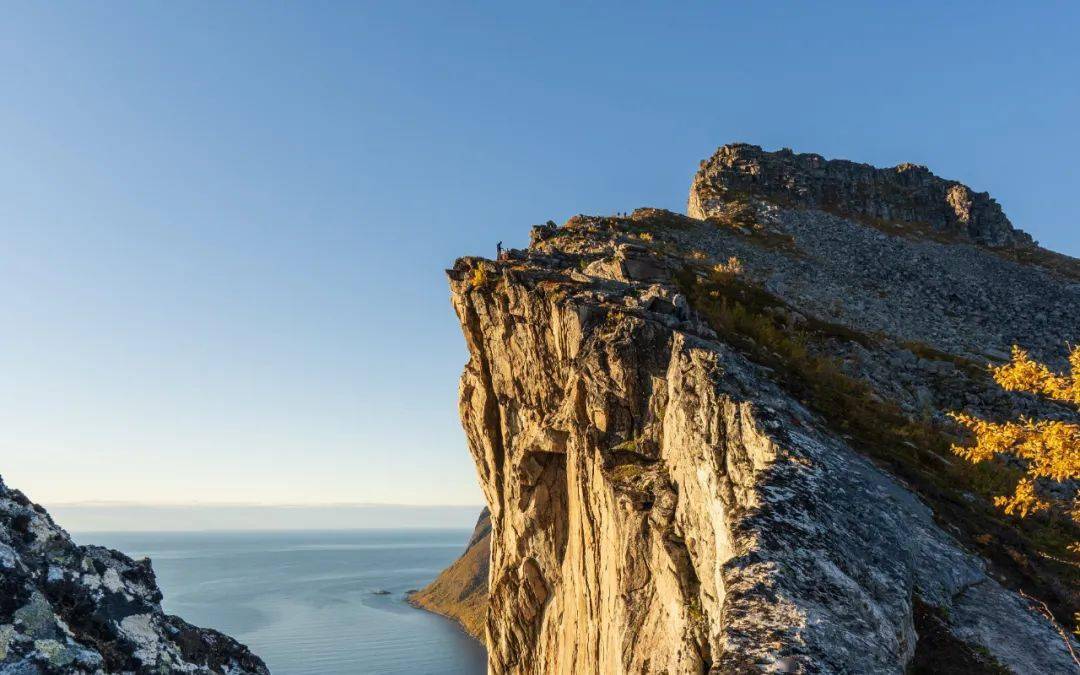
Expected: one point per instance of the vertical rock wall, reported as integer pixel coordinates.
(659, 505)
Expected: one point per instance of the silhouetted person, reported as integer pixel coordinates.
(498, 251)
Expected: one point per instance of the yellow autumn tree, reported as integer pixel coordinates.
(1050, 448)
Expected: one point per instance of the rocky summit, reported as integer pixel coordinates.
(720, 442)
(907, 193)
(75, 609)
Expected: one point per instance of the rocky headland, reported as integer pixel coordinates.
(720, 442)
(460, 592)
(81, 610)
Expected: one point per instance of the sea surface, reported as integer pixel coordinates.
(313, 602)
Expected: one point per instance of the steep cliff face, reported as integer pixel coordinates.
(86, 609)
(718, 444)
(460, 592)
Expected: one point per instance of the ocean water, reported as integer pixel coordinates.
(309, 602)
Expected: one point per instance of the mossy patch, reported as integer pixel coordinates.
(625, 462)
(625, 473)
(630, 445)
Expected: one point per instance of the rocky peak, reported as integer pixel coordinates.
(721, 443)
(907, 193)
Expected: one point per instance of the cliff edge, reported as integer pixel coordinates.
(720, 443)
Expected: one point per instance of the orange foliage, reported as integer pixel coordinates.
(1025, 374)
(1050, 448)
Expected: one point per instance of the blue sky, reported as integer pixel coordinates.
(223, 225)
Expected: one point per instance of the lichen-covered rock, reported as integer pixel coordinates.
(661, 502)
(86, 609)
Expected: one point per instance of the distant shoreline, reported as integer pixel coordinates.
(412, 602)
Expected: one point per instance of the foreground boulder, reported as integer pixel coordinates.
(720, 444)
(86, 609)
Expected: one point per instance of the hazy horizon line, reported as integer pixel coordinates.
(112, 516)
(228, 530)
(218, 505)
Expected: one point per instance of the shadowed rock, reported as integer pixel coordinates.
(906, 193)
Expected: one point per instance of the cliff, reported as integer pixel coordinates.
(460, 592)
(86, 609)
(719, 443)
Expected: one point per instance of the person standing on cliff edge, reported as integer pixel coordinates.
(498, 251)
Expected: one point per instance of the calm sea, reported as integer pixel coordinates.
(311, 602)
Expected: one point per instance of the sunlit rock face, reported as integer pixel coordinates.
(663, 501)
(86, 609)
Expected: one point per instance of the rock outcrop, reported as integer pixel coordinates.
(460, 592)
(907, 193)
(86, 609)
(719, 443)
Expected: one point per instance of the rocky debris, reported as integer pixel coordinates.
(661, 502)
(460, 592)
(959, 298)
(86, 609)
(907, 193)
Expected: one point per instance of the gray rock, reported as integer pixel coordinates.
(907, 193)
(86, 609)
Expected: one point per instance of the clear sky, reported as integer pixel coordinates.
(223, 226)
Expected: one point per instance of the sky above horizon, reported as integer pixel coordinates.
(224, 226)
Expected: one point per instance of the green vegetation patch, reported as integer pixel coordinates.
(624, 473)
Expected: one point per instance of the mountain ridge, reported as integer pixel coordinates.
(907, 193)
(721, 443)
